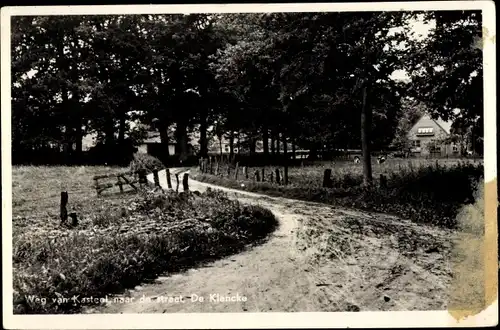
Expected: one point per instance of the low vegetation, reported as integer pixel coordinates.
(425, 191)
(146, 162)
(468, 258)
(121, 240)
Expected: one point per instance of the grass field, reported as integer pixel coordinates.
(36, 192)
(347, 173)
(121, 239)
(429, 191)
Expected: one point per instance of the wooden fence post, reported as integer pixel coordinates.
(177, 187)
(211, 166)
(185, 184)
(271, 177)
(142, 177)
(217, 168)
(383, 181)
(327, 180)
(169, 182)
(278, 176)
(236, 171)
(257, 176)
(245, 172)
(64, 203)
(74, 219)
(156, 178)
(200, 163)
(120, 184)
(263, 175)
(228, 170)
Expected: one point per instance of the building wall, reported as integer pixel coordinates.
(425, 131)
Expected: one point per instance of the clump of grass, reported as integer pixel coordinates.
(146, 162)
(159, 232)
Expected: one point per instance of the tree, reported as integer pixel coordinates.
(338, 56)
(446, 68)
(411, 111)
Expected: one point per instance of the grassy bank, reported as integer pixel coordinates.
(426, 192)
(121, 240)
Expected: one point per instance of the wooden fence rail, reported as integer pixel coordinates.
(125, 178)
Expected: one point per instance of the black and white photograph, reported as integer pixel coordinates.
(268, 160)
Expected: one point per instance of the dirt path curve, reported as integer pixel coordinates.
(319, 259)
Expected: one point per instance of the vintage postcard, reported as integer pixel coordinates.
(297, 165)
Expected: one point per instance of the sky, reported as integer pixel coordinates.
(420, 30)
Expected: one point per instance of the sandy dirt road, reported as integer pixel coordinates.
(321, 258)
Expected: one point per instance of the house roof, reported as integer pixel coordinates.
(445, 125)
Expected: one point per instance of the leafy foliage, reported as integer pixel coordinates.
(296, 77)
(447, 68)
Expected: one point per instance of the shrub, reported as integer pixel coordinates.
(146, 162)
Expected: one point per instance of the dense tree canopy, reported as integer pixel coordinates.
(298, 79)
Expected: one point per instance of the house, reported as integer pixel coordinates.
(428, 138)
(152, 145)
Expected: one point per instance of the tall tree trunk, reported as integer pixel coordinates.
(265, 140)
(220, 144)
(78, 131)
(203, 134)
(366, 115)
(182, 140)
(164, 140)
(121, 128)
(313, 153)
(65, 106)
(239, 141)
(273, 150)
(231, 144)
(68, 130)
(109, 128)
(252, 145)
(285, 156)
(77, 113)
(277, 140)
(78, 138)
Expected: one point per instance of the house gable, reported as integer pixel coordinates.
(427, 128)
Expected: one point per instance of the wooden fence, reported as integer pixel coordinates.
(136, 179)
(122, 179)
(221, 168)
